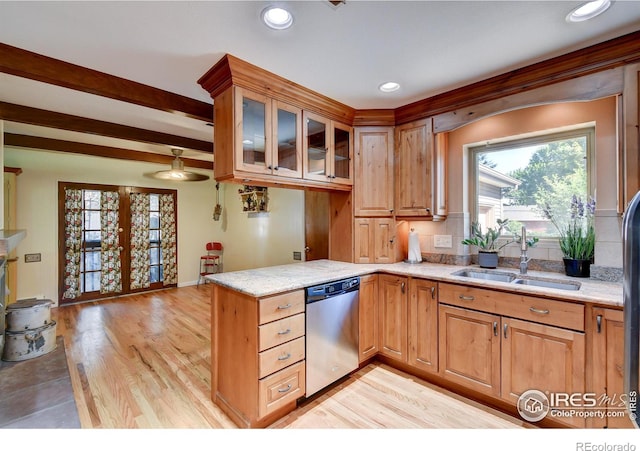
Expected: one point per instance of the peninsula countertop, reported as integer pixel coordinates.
(272, 280)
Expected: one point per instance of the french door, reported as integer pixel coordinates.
(115, 240)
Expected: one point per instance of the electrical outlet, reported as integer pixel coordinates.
(442, 241)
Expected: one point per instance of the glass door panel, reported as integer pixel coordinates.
(253, 132)
(342, 153)
(316, 149)
(287, 140)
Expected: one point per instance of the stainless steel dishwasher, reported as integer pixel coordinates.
(332, 332)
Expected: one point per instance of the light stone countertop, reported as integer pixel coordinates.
(279, 279)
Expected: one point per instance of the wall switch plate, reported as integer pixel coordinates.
(442, 241)
(297, 255)
(31, 258)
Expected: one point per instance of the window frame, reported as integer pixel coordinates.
(587, 130)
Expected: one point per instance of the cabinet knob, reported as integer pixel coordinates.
(269, 167)
(275, 168)
(391, 211)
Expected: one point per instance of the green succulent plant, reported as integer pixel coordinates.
(488, 241)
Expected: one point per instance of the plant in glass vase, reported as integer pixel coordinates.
(577, 235)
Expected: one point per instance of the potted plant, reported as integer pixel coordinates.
(577, 235)
(487, 243)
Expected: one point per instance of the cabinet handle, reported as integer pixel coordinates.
(402, 287)
(542, 312)
(269, 167)
(391, 211)
(284, 332)
(284, 307)
(284, 390)
(392, 240)
(428, 210)
(433, 292)
(275, 168)
(504, 329)
(284, 356)
(333, 176)
(495, 328)
(599, 323)
(462, 297)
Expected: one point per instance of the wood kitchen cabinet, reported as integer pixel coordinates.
(414, 169)
(373, 188)
(368, 317)
(374, 240)
(470, 349)
(607, 364)
(393, 294)
(327, 150)
(503, 344)
(423, 324)
(258, 354)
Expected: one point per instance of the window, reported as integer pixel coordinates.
(516, 178)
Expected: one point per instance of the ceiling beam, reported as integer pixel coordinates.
(34, 66)
(35, 116)
(36, 142)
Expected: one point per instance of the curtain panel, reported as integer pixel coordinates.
(111, 271)
(139, 241)
(168, 239)
(72, 242)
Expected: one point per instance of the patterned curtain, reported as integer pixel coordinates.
(111, 272)
(168, 239)
(139, 206)
(72, 242)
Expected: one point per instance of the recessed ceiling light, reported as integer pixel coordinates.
(277, 18)
(588, 10)
(389, 86)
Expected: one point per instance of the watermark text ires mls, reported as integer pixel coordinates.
(534, 405)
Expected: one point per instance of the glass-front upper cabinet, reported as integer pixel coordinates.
(342, 153)
(269, 140)
(252, 140)
(328, 150)
(287, 132)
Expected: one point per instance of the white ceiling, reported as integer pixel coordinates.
(343, 52)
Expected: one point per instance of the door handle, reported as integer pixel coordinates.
(307, 249)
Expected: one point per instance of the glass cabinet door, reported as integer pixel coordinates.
(342, 153)
(316, 148)
(287, 129)
(253, 144)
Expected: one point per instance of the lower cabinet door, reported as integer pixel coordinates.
(548, 359)
(470, 349)
(423, 324)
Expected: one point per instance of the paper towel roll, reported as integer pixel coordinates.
(414, 248)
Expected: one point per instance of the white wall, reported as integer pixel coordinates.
(248, 242)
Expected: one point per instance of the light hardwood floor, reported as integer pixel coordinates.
(143, 361)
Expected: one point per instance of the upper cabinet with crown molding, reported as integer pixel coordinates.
(259, 133)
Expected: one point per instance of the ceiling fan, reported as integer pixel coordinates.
(177, 172)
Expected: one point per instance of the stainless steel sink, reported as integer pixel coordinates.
(497, 276)
(509, 277)
(548, 283)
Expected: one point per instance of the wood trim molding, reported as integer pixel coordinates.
(35, 142)
(36, 116)
(606, 55)
(16, 171)
(34, 66)
(374, 117)
(234, 71)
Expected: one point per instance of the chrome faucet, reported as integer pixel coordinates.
(523, 251)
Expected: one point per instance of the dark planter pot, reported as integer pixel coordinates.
(488, 259)
(577, 268)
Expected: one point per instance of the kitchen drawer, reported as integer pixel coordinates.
(530, 308)
(278, 332)
(281, 306)
(275, 359)
(281, 388)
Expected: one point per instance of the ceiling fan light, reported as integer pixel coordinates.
(277, 18)
(588, 10)
(177, 172)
